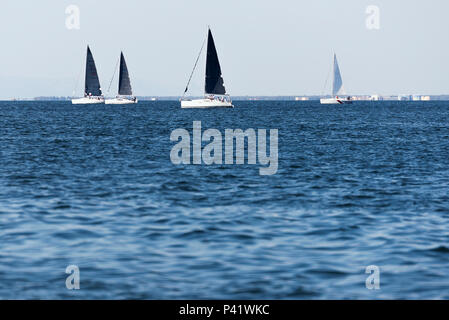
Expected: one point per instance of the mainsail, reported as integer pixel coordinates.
(338, 82)
(124, 83)
(214, 80)
(92, 83)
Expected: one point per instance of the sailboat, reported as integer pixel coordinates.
(337, 88)
(125, 91)
(214, 92)
(92, 89)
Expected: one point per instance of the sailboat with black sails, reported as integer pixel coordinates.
(215, 95)
(92, 88)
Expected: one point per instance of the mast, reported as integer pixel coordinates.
(92, 83)
(214, 83)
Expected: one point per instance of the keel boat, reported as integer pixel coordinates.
(215, 95)
(125, 92)
(92, 88)
(338, 90)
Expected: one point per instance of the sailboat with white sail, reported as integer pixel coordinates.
(125, 92)
(215, 95)
(338, 91)
(92, 88)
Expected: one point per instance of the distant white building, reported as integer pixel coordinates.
(403, 97)
(413, 98)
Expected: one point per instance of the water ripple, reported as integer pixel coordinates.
(94, 187)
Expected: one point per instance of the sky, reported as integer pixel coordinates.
(282, 47)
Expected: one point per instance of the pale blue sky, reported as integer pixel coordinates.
(281, 47)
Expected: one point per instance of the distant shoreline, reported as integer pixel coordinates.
(443, 97)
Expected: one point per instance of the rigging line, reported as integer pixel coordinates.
(194, 67)
(78, 81)
(327, 80)
(115, 71)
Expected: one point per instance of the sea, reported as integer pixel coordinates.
(92, 206)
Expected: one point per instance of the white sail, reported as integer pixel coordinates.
(337, 88)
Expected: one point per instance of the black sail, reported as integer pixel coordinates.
(214, 80)
(92, 82)
(124, 83)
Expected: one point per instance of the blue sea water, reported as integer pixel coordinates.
(93, 186)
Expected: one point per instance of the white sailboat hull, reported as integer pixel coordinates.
(91, 100)
(121, 101)
(205, 103)
(335, 101)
